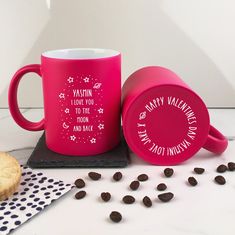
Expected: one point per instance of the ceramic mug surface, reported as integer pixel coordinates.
(164, 121)
(82, 96)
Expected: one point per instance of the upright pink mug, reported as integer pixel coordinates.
(82, 97)
(164, 121)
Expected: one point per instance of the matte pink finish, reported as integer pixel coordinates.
(164, 121)
(12, 99)
(82, 99)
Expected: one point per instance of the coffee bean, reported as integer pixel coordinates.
(231, 166)
(142, 177)
(147, 201)
(115, 216)
(199, 170)
(220, 179)
(80, 194)
(168, 172)
(117, 176)
(165, 197)
(221, 168)
(128, 199)
(134, 185)
(106, 196)
(192, 181)
(94, 175)
(161, 187)
(79, 183)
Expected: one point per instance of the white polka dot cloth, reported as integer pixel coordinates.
(36, 191)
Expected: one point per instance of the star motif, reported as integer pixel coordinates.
(73, 137)
(86, 79)
(101, 126)
(100, 110)
(70, 79)
(66, 110)
(61, 95)
(93, 140)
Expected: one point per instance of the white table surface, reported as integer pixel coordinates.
(207, 209)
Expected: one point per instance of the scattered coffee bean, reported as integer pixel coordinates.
(128, 199)
(117, 176)
(142, 177)
(94, 175)
(199, 170)
(106, 196)
(220, 179)
(115, 216)
(161, 187)
(80, 194)
(165, 197)
(221, 168)
(147, 201)
(168, 172)
(134, 185)
(231, 166)
(192, 181)
(79, 183)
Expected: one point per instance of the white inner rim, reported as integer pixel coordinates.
(81, 53)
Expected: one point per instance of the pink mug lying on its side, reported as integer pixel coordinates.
(164, 121)
(82, 100)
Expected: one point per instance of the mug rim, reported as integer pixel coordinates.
(81, 54)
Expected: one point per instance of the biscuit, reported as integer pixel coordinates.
(10, 174)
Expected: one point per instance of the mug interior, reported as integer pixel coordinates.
(81, 53)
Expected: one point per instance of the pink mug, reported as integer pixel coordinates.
(82, 97)
(164, 121)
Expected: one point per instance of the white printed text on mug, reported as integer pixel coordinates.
(154, 147)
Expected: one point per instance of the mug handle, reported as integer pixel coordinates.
(216, 141)
(13, 103)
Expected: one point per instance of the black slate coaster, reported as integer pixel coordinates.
(42, 157)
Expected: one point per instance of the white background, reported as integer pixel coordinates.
(193, 38)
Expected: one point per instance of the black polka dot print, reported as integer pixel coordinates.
(17, 222)
(36, 192)
(3, 228)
